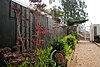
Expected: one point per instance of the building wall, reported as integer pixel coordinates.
(92, 31)
(98, 29)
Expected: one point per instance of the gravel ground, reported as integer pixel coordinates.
(86, 54)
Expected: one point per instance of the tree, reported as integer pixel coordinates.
(56, 12)
(50, 1)
(75, 21)
(74, 9)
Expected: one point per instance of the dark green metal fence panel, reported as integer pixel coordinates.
(7, 25)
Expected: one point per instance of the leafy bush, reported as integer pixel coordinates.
(76, 35)
(65, 45)
(69, 45)
(70, 40)
(18, 59)
(57, 44)
(43, 58)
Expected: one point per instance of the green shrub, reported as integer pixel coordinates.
(44, 59)
(70, 42)
(65, 45)
(57, 44)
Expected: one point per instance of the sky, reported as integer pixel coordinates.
(92, 9)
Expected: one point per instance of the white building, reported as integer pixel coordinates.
(94, 31)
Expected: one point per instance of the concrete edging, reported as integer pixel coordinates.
(97, 44)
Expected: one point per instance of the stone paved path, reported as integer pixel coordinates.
(86, 55)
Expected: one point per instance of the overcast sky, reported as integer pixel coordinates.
(92, 9)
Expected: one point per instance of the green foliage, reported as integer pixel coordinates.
(70, 42)
(66, 45)
(74, 21)
(57, 44)
(58, 12)
(40, 59)
(50, 63)
(24, 64)
(70, 21)
(74, 8)
(76, 35)
(43, 58)
(68, 50)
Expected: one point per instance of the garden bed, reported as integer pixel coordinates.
(56, 54)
